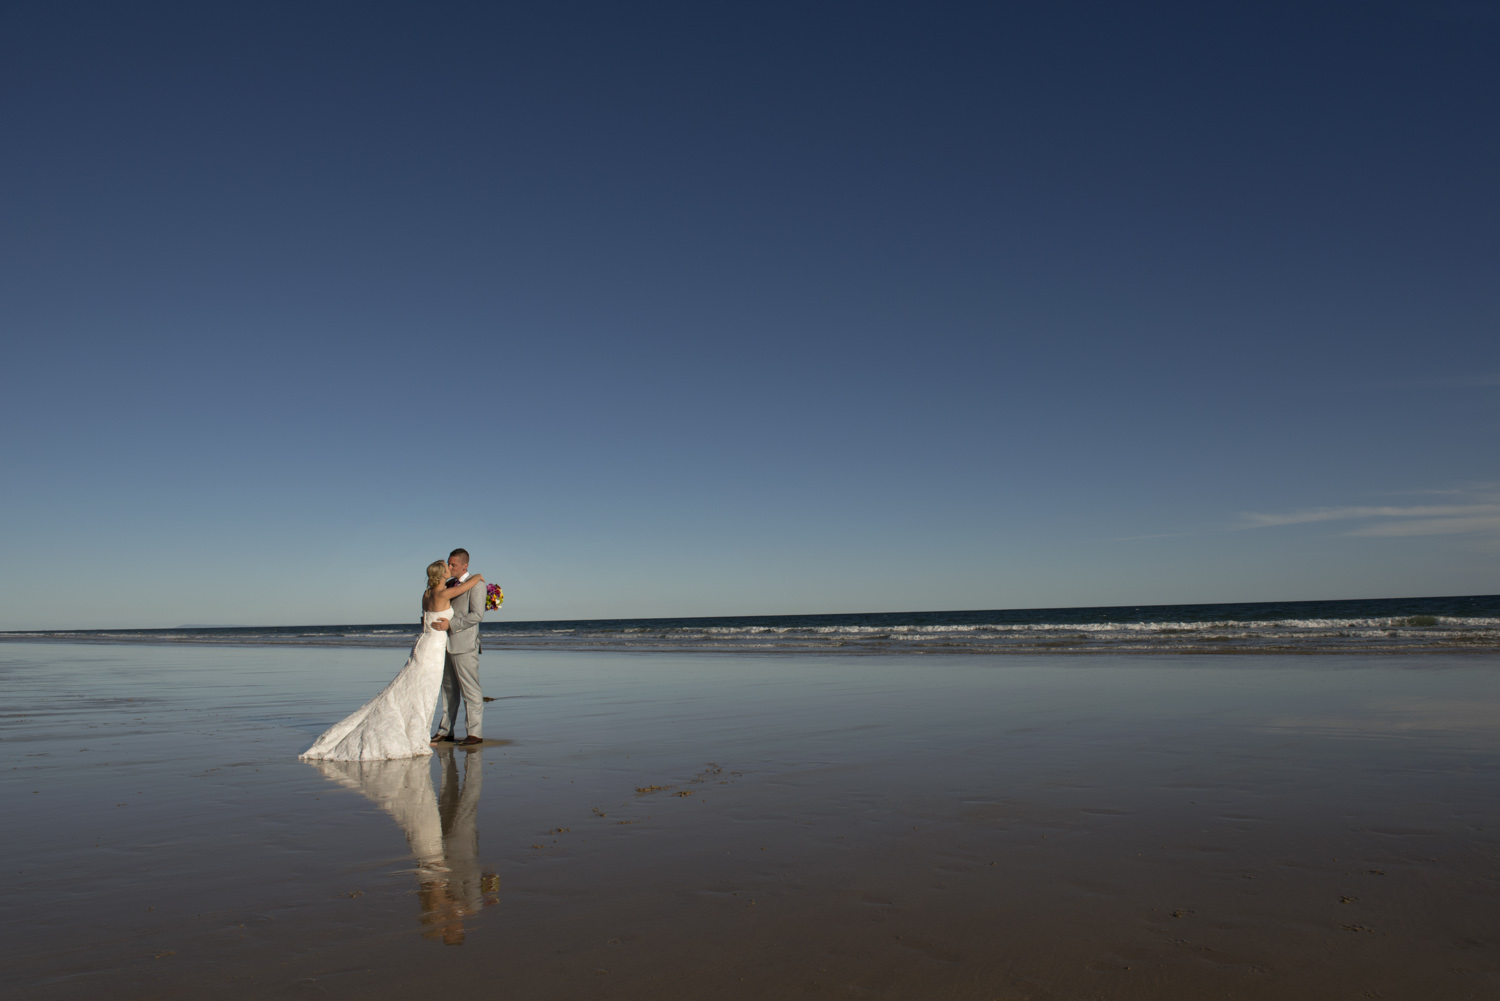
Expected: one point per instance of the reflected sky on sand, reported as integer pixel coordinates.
(442, 830)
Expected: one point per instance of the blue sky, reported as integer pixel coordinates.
(682, 309)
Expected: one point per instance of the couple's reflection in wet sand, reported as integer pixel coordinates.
(442, 830)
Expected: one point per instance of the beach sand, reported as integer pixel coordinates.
(683, 826)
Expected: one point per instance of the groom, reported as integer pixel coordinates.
(461, 666)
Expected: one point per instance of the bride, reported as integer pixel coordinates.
(394, 723)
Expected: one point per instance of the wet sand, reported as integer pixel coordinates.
(750, 827)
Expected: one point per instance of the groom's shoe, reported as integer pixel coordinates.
(470, 741)
(439, 738)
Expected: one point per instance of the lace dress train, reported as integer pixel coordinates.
(394, 723)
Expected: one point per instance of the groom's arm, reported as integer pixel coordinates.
(475, 612)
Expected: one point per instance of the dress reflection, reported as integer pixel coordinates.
(442, 830)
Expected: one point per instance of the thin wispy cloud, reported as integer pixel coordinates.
(1434, 526)
(1391, 521)
(1256, 520)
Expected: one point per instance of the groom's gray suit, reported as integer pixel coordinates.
(461, 666)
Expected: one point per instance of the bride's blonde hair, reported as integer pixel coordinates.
(437, 572)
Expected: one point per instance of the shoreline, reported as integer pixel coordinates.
(1374, 626)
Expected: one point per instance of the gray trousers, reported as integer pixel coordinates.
(461, 678)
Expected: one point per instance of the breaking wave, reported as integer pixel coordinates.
(1390, 625)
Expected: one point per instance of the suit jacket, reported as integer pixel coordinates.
(463, 630)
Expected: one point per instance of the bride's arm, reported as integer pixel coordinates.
(448, 592)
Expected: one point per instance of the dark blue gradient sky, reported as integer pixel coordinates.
(674, 309)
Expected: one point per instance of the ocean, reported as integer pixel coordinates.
(1378, 625)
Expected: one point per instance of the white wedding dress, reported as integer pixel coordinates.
(394, 723)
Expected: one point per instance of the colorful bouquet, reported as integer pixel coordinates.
(493, 597)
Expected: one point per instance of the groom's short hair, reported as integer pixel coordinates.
(460, 552)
